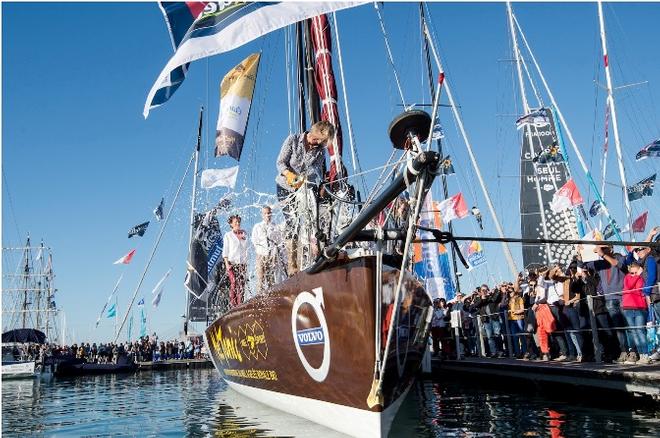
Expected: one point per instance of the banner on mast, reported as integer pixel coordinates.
(236, 92)
(536, 139)
(431, 260)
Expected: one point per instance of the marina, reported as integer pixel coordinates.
(401, 224)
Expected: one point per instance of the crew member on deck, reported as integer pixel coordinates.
(266, 239)
(234, 253)
(301, 159)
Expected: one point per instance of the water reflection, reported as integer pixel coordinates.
(198, 403)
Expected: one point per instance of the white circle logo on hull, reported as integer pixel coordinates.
(312, 336)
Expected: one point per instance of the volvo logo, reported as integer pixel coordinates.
(312, 336)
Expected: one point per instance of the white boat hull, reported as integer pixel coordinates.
(354, 422)
(18, 370)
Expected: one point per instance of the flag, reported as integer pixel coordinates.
(130, 327)
(549, 155)
(158, 289)
(431, 261)
(224, 26)
(179, 16)
(141, 302)
(446, 166)
(566, 197)
(126, 259)
(39, 254)
(138, 230)
(609, 230)
(438, 132)
(112, 311)
(538, 118)
(143, 322)
(158, 212)
(453, 208)
(639, 224)
(596, 209)
(474, 254)
(236, 93)
(650, 150)
(642, 188)
(219, 177)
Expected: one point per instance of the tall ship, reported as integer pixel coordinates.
(30, 316)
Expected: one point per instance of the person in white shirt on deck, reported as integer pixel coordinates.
(234, 253)
(266, 239)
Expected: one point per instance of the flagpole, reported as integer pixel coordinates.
(612, 108)
(153, 251)
(116, 311)
(192, 214)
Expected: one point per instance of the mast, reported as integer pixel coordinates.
(192, 212)
(571, 140)
(302, 119)
(473, 160)
(445, 189)
(527, 131)
(26, 273)
(612, 109)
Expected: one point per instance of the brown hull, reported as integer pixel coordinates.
(312, 338)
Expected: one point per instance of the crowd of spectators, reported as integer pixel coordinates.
(606, 310)
(145, 349)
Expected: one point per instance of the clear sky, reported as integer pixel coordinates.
(81, 166)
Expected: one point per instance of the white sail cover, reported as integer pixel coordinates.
(223, 27)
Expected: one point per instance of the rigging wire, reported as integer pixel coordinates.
(351, 137)
(153, 251)
(389, 53)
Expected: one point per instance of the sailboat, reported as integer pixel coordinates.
(341, 341)
(29, 313)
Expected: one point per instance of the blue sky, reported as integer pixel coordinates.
(81, 166)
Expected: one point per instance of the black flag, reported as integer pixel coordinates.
(159, 210)
(138, 229)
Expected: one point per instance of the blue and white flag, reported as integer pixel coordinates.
(596, 209)
(224, 26)
(179, 16)
(642, 188)
(112, 311)
(610, 230)
(158, 290)
(141, 302)
(537, 118)
(158, 212)
(650, 150)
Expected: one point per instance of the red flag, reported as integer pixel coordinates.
(639, 225)
(126, 259)
(453, 208)
(567, 196)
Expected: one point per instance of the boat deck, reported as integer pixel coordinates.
(637, 380)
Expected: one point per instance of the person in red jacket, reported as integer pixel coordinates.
(634, 310)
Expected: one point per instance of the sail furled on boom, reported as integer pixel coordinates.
(560, 225)
(236, 92)
(225, 26)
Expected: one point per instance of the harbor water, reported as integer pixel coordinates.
(198, 403)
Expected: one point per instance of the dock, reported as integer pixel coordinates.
(635, 380)
(174, 364)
